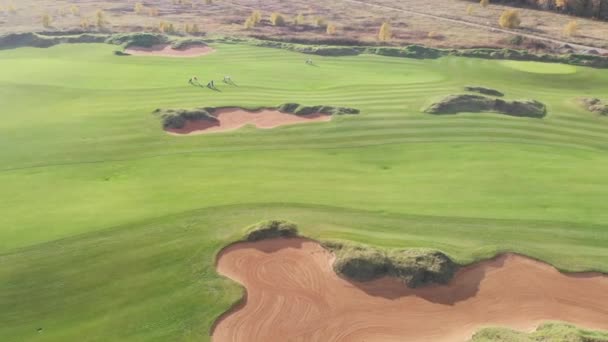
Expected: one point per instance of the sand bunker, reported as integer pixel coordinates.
(165, 50)
(294, 295)
(229, 119)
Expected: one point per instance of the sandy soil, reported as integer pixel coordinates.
(234, 118)
(165, 50)
(293, 294)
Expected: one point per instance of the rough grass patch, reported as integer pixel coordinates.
(453, 104)
(271, 229)
(415, 267)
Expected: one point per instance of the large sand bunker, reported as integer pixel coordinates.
(165, 50)
(293, 294)
(229, 119)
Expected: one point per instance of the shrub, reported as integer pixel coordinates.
(386, 32)
(510, 19)
(271, 229)
(256, 16)
(484, 3)
(433, 35)
(277, 19)
(571, 28)
(331, 29)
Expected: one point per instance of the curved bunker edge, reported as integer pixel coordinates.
(282, 229)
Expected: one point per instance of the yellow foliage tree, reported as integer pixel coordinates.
(561, 4)
(100, 19)
(75, 10)
(11, 8)
(153, 12)
(46, 20)
(84, 24)
(470, 10)
(194, 29)
(571, 28)
(509, 19)
(386, 32)
(320, 22)
(139, 8)
(300, 19)
(331, 29)
(484, 3)
(256, 17)
(277, 19)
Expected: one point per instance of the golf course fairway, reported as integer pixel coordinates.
(110, 227)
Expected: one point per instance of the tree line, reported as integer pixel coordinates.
(583, 8)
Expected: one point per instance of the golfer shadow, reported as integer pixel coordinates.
(463, 286)
(314, 65)
(232, 83)
(214, 88)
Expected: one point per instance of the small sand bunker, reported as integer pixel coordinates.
(165, 50)
(293, 294)
(229, 119)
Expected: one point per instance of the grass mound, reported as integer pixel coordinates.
(186, 43)
(484, 90)
(454, 104)
(298, 109)
(595, 105)
(177, 118)
(546, 332)
(415, 267)
(137, 39)
(15, 40)
(271, 229)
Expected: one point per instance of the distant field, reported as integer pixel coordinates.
(357, 20)
(109, 226)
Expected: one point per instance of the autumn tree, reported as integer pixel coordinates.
(320, 22)
(47, 20)
(100, 19)
(571, 28)
(484, 3)
(510, 19)
(84, 24)
(386, 32)
(277, 19)
(300, 19)
(331, 29)
(139, 8)
(470, 10)
(153, 12)
(75, 10)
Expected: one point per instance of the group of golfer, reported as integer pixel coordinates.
(227, 79)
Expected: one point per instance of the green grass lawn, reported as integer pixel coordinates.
(109, 226)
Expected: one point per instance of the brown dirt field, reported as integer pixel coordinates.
(293, 294)
(231, 119)
(355, 20)
(164, 50)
